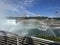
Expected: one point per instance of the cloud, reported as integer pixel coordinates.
(15, 7)
(26, 3)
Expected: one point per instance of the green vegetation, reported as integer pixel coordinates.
(50, 38)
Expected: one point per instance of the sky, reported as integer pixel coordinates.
(30, 7)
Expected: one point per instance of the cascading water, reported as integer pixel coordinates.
(31, 28)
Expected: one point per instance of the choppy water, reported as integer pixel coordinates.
(33, 28)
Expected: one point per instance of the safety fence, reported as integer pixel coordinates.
(13, 39)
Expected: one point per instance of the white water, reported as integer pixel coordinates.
(23, 27)
(5, 25)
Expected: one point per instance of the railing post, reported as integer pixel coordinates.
(4, 34)
(17, 37)
(17, 41)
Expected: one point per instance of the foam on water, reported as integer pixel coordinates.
(26, 26)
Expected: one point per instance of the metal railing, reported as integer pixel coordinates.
(7, 39)
(3, 38)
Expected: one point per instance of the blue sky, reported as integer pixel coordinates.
(29, 7)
